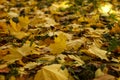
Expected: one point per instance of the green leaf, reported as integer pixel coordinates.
(113, 44)
(79, 2)
(31, 42)
(113, 17)
(62, 67)
(15, 19)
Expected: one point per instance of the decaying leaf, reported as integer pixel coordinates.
(115, 29)
(3, 27)
(94, 50)
(4, 70)
(99, 73)
(4, 52)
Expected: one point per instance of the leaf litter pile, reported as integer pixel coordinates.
(59, 40)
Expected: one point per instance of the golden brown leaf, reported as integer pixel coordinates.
(115, 29)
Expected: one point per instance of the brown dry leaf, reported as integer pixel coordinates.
(3, 27)
(48, 41)
(117, 50)
(3, 52)
(105, 77)
(4, 70)
(115, 29)
(22, 77)
(2, 13)
(2, 1)
(115, 67)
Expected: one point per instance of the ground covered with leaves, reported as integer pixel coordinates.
(59, 40)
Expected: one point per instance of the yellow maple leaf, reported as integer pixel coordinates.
(59, 45)
(16, 28)
(24, 21)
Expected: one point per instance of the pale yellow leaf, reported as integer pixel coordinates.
(26, 49)
(53, 72)
(99, 73)
(98, 52)
(13, 25)
(105, 77)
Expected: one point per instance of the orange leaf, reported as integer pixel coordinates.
(4, 70)
(115, 29)
(3, 27)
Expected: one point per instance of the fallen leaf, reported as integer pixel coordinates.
(105, 77)
(4, 70)
(93, 51)
(53, 72)
(2, 77)
(115, 29)
(59, 45)
(99, 73)
(15, 29)
(12, 56)
(12, 78)
(24, 21)
(77, 59)
(3, 27)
